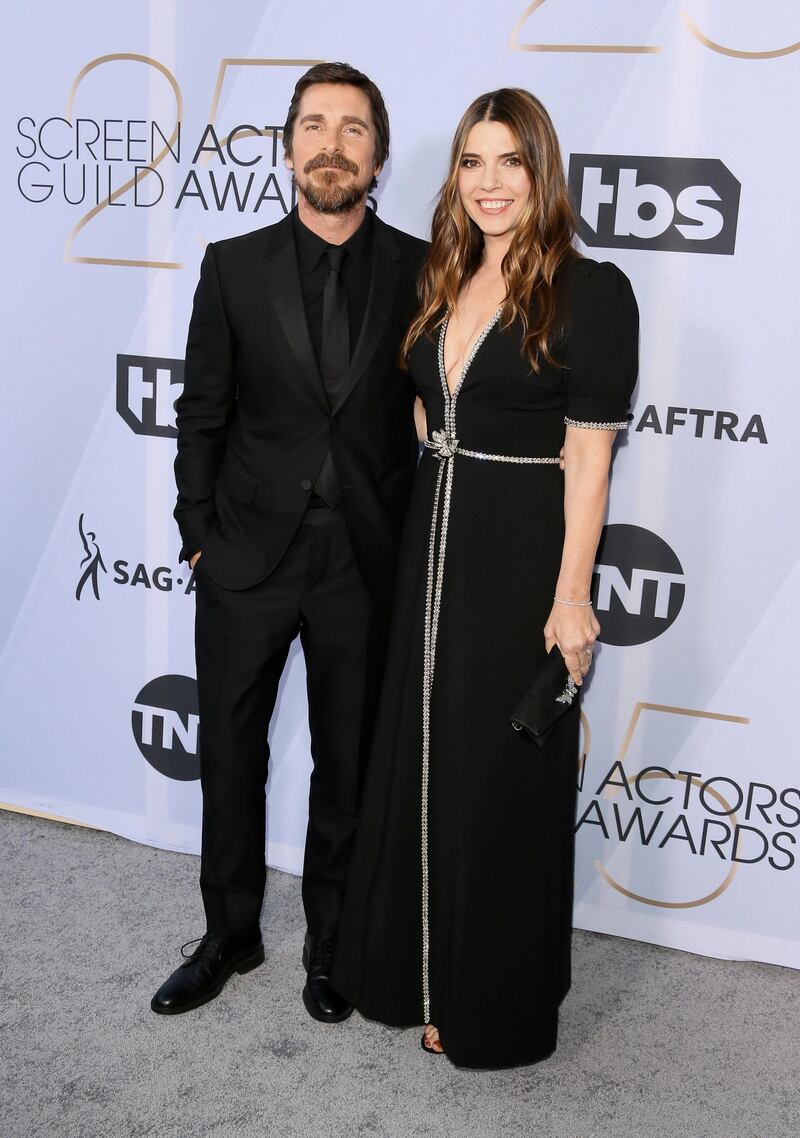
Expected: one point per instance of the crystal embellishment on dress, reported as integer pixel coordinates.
(443, 443)
(508, 458)
(620, 425)
(569, 692)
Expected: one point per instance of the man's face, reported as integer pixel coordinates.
(333, 147)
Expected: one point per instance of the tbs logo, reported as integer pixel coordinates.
(682, 205)
(147, 387)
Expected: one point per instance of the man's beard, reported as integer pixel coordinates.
(327, 194)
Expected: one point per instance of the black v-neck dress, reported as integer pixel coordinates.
(458, 909)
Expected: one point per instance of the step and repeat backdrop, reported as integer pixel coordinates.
(134, 135)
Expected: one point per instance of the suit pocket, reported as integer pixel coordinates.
(238, 484)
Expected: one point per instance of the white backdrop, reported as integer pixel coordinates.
(689, 808)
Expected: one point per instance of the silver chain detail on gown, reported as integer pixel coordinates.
(617, 425)
(444, 443)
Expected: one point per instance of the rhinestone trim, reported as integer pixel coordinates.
(622, 425)
(445, 447)
(446, 444)
(569, 692)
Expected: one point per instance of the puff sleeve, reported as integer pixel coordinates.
(602, 346)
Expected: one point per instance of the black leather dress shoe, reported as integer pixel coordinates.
(319, 997)
(203, 975)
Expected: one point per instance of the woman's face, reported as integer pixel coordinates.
(492, 182)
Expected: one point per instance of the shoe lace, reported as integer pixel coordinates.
(323, 950)
(204, 943)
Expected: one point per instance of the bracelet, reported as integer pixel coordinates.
(573, 604)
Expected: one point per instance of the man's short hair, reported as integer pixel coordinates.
(345, 74)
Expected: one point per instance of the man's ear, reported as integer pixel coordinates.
(287, 160)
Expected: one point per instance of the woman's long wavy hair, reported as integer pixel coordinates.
(542, 241)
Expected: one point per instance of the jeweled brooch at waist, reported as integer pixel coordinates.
(444, 445)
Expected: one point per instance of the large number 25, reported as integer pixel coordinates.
(638, 49)
(102, 61)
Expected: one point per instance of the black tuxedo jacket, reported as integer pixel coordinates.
(254, 424)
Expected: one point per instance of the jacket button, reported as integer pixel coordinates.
(306, 484)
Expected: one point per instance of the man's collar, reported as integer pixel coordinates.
(311, 247)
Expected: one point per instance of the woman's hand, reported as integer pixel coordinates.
(573, 629)
(194, 559)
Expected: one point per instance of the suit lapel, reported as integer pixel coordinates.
(380, 302)
(283, 289)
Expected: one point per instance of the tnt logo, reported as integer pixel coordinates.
(147, 387)
(682, 205)
(638, 585)
(166, 725)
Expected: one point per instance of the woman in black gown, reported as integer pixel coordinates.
(458, 910)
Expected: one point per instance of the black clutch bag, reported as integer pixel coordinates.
(550, 696)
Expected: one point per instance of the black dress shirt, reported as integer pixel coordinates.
(314, 269)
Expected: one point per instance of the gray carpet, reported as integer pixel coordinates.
(653, 1042)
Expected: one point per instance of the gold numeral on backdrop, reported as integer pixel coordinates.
(224, 67)
(734, 53)
(680, 777)
(599, 49)
(102, 61)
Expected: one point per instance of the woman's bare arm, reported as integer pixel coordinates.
(574, 628)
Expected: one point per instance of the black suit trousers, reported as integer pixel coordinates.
(242, 639)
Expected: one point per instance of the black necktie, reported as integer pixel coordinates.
(334, 359)
(335, 348)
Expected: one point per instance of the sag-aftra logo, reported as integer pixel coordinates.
(94, 575)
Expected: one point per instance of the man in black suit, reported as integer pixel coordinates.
(296, 453)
